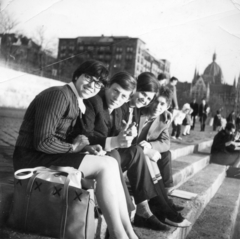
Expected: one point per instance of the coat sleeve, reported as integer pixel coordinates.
(162, 143)
(49, 111)
(94, 123)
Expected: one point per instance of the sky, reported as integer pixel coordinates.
(185, 32)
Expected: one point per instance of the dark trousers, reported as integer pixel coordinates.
(203, 119)
(142, 186)
(176, 129)
(193, 121)
(133, 161)
(165, 167)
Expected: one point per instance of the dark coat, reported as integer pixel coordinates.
(221, 154)
(97, 120)
(194, 106)
(203, 110)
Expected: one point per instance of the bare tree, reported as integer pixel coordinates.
(7, 25)
(44, 47)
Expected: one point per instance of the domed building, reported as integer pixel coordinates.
(211, 86)
(213, 72)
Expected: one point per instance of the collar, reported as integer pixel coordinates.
(80, 101)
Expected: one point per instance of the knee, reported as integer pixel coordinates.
(110, 164)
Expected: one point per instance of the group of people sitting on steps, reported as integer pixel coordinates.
(104, 126)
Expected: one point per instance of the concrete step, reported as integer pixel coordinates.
(186, 149)
(205, 184)
(218, 219)
(187, 166)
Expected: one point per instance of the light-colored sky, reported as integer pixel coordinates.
(186, 32)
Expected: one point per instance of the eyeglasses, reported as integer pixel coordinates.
(98, 84)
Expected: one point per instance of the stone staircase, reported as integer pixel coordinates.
(214, 213)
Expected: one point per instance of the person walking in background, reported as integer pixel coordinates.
(237, 123)
(172, 86)
(178, 120)
(162, 79)
(231, 117)
(187, 122)
(194, 106)
(203, 112)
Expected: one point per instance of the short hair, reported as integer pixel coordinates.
(92, 68)
(125, 80)
(165, 92)
(147, 81)
(161, 76)
(173, 79)
(229, 126)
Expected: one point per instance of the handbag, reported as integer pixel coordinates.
(233, 172)
(53, 202)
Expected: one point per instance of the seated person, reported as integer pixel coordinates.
(103, 121)
(42, 141)
(217, 121)
(225, 150)
(154, 134)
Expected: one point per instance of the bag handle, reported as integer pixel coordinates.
(30, 172)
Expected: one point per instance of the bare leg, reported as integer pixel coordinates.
(109, 194)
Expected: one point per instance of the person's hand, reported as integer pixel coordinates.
(237, 136)
(132, 130)
(79, 143)
(145, 145)
(123, 141)
(95, 149)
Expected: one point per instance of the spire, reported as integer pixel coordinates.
(234, 82)
(195, 75)
(214, 56)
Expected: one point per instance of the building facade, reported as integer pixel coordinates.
(118, 53)
(211, 86)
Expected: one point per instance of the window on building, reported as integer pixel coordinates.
(81, 48)
(63, 47)
(118, 57)
(119, 49)
(90, 48)
(129, 49)
(129, 57)
(101, 57)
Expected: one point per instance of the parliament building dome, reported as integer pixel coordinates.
(213, 72)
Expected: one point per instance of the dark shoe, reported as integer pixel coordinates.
(184, 223)
(170, 218)
(177, 207)
(174, 206)
(150, 223)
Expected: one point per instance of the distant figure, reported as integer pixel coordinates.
(194, 106)
(203, 112)
(187, 122)
(237, 123)
(217, 121)
(231, 117)
(225, 149)
(178, 120)
(172, 86)
(162, 79)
